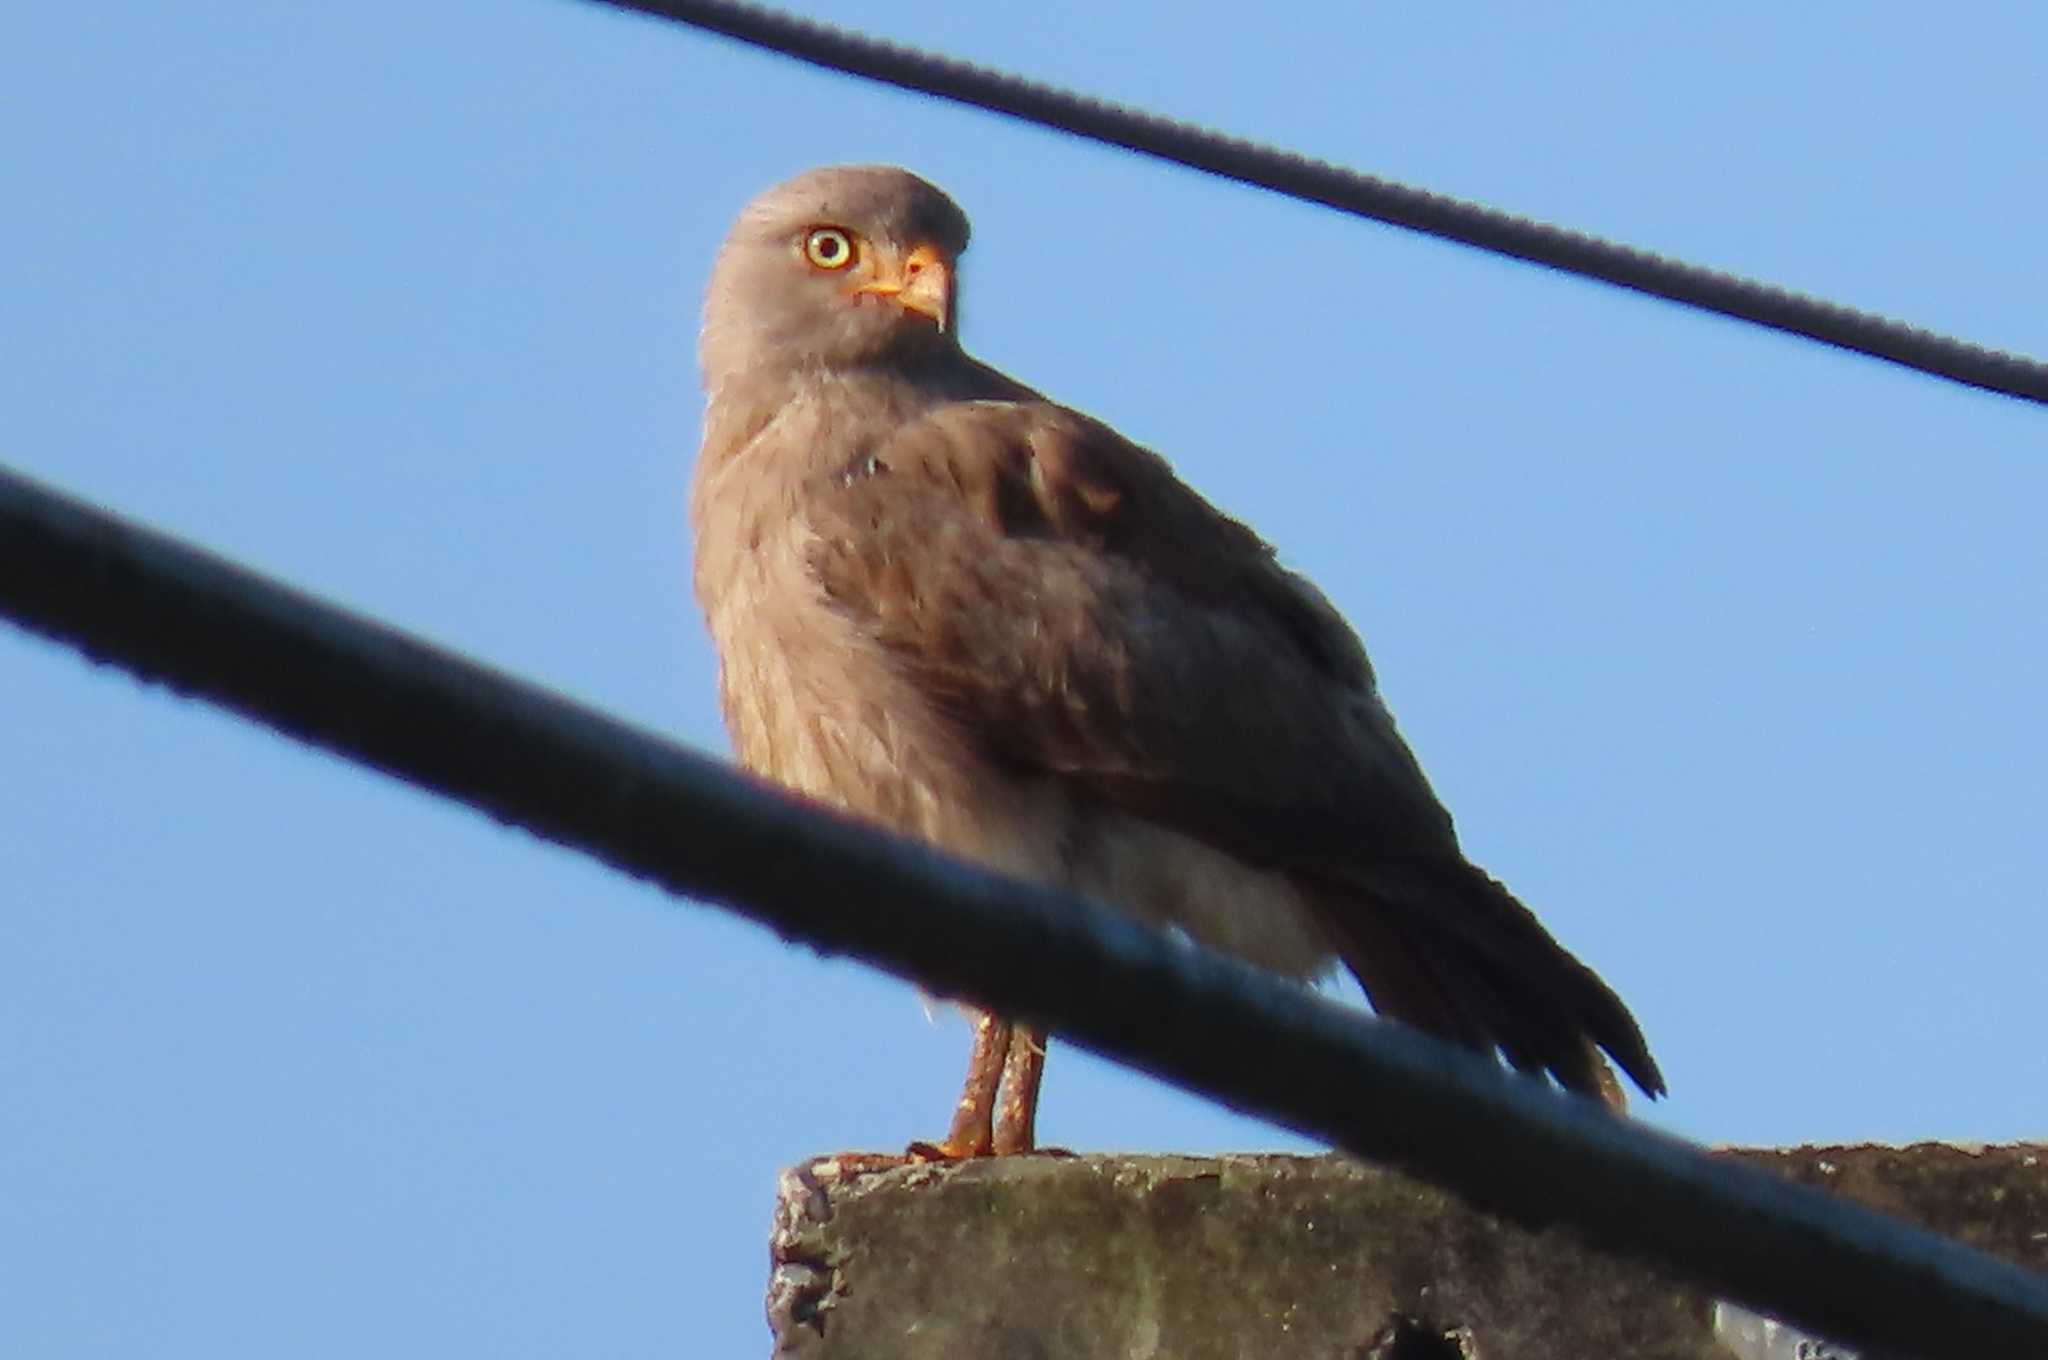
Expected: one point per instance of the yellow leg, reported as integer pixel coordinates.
(1016, 1122)
(972, 1134)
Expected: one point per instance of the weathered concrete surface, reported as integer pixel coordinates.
(1181, 1258)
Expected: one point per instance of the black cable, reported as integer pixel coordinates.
(171, 613)
(1317, 181)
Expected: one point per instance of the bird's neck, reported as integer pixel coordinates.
(741, 405)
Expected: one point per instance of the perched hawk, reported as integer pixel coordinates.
(945, 603)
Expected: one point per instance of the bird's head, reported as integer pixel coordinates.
(836, 268)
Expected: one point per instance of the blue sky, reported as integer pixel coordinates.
(1726, 650)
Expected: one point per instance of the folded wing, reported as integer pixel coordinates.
(1078, 610)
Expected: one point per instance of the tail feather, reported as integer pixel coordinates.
(1446, 948)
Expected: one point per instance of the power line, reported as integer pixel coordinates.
(1400, 205)
(174, 614)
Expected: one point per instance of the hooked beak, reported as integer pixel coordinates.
(920, 282)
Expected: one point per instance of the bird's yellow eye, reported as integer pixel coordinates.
(829, 248)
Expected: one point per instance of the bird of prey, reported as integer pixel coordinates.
(961, 610)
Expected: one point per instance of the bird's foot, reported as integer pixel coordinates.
(953, 1149)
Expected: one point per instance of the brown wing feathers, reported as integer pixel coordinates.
(1066, 598)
